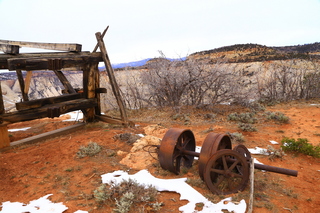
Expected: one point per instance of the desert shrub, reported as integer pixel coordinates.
(278, 116)
(237, 137)
(90, 150)
(274, 153)
(300, 145)
(247, 117)
(126, 195)
(247, 127)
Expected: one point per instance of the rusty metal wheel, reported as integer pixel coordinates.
(173, 151)
(221, 174)
(211, 144)
(242, 149)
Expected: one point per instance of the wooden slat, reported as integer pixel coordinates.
(45, 101)
(49, 135)
(31, 114)
(49, 46)
(9, 49)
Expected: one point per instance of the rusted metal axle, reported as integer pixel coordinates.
(268, 168)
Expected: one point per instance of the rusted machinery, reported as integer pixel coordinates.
(224, 170)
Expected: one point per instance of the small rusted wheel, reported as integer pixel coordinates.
(221, 174)
(242, 149)
(174, 145)
(211, 144)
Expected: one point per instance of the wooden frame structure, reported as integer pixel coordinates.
(87, 101)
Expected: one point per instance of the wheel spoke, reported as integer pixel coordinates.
(224, 161)
(234, 165)
(219, 171)
(222, 178)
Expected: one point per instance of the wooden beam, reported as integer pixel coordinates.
(48, 135)
(113, 82)
(49, 46)
(89, 77)
(22, 86)
(65, 82)
(56, 55)
(52, 63)
(46, 101)
(4, 135)
(9, 49)
(42, 112)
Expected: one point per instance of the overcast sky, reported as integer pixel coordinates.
(140, 28)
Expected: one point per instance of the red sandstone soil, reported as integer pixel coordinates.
(31, 171)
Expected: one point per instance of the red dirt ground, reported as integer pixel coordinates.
(31, 171)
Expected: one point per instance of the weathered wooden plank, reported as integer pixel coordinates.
(42, 112)
(113, 82)
(45, 101)
(9, 49)
(49, 46)
(49, 135)
(57, 55)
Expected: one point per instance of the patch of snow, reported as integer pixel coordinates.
(258, 151)
(177, 185)
(21, 129)
(43, 204)
(274, 142)
(75, 116)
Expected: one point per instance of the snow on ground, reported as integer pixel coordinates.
(21, 129)
(176, 185)
(75, 116)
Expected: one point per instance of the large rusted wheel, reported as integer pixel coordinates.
(174, 147)
(221, 174)
(211, 144)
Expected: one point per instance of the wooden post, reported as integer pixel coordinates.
(113, 82)
(250, 208)
(4, 135)
(89, 77)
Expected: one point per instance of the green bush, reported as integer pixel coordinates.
(300, 145)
